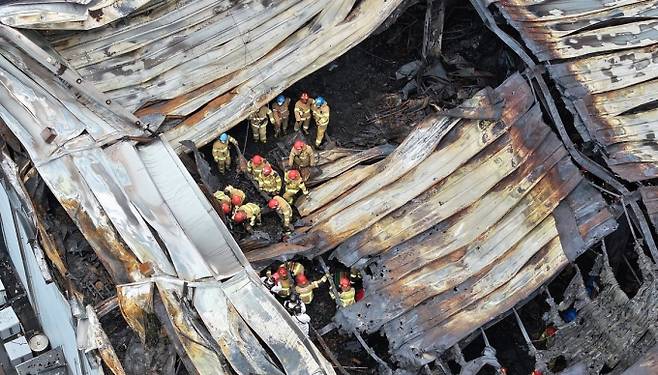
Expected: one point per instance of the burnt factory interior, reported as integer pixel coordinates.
(483, 200)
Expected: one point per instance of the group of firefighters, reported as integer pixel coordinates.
(290, 282)
(301, 158)
(279, 114)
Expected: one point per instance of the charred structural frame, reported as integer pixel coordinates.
(100, 93)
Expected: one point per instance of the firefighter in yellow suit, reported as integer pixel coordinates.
(282, 207)
(221, 152)
(258, 121)
(269, 181)
(281, 114)
(294, 183)
(303, 112)
(320, 110)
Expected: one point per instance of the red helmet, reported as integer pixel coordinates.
(299, 145)
(239, 217)
(293, 174)
(267, 170)
(301, 279)
(236, 200)
(273, 203)
(282, 271)
(304, 96)
(344, 282)
(550, 331)
(502, 371)
(257, 159)
(226, 208)
(537, 372)
(360, 294)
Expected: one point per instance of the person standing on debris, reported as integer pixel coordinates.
(294, 183)
(269, 181)
(320, 110)
(224, 201)
(305, 288)
(250, 212)
(285, 282)
(255, 166)
(301, 157)
(303, 112)
(282, 207)
(221, 152)
(236, 195)
(258, 122)
(281, 114)
(346, 292)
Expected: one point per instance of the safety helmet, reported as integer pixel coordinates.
(299, 145)
(223, 138)
(226, 208)
(273, 203)
(236, 200)
(239, 217)
(550, 331)
(282, 271)
(320, 101)
(537, 372)
(344, 282)
(293, 174)
(304, 96)
(257, 159)
(280, 100)
(267, 170)
(301, 279)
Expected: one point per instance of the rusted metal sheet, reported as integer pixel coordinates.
(331, 170)
(463, 233)
(236, 340)
(66, 14)
(138, 207)
(650, 199)
(606, 68)
(261, 312)
(232, 56)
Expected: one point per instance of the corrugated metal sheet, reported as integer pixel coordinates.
(463, 221)
(648, 365)
(66, 14)
(649, 196)
(139, 205)
(212, 62)
(605, 64)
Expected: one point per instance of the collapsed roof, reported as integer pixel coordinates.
(460, 223)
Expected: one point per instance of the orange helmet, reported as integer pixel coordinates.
(344, 282)
(301, 279)
(293, 174)
(226, 208)
(273, 203)
(304, 96)
(299, 145)
(239, 217)
(236, 200)
(267, 170)
(257, 159)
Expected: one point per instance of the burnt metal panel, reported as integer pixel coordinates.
(462, 235)
(650, 199)
(606, 67)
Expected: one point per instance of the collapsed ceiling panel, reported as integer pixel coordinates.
(66, 14)
(202, 61)
(604, 63)
(147, 221)
(464, 220)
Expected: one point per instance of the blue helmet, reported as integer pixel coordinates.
(223, 137)
(280, 99)
(320, 100)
